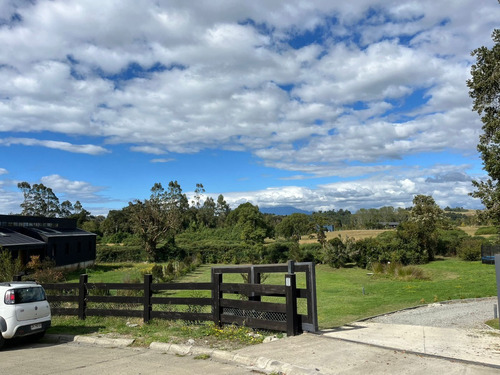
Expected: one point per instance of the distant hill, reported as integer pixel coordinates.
(283, 210)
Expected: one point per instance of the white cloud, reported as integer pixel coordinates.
(221, 75)
(73, 190)
(448, 189)
(3, 171)
(58, 145)
(162, 160)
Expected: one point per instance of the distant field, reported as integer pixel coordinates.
(356, 234)
(471, 231)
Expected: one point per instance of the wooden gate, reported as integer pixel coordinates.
(257, 310)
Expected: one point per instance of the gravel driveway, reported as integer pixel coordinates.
(470, 313)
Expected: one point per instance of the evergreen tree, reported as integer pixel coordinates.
(484, 89)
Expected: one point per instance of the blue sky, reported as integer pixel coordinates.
(314, 104)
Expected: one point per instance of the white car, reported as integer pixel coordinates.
(24, 310)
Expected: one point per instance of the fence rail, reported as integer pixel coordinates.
(152, 301)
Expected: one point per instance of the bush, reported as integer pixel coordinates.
(486, 230)
(399, 271)
(449, 241)
(278, 252)
(470, 248)
(9, 267)
(309, 252)
(44, 271)
(112, 254)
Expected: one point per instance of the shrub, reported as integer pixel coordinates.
(449, 241)
(470, 248)
(111, 254)
(399, 271)
(278, 252)
(309, 252)
(44, 271)
(486, 230)
(9, 267)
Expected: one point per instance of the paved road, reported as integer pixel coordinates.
(74, 359)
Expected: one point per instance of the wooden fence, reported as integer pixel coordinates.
(150, 300)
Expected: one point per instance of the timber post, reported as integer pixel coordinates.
(82, 297)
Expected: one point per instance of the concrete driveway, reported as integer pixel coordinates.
(77, 359)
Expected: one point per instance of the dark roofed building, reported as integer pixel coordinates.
(53, 238)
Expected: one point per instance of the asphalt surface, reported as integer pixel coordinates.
(419, 345)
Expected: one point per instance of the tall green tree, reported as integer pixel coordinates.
(484, 89)
(222, 209)
(425, 218)
(249, 222)
(39, 200)
(294, 226)
(158, 217)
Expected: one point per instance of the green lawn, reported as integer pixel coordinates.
(340, 291)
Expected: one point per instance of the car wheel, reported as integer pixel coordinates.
(2, 341)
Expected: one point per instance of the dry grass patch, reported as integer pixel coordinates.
(356, 234)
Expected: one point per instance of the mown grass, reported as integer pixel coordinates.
(344, 295)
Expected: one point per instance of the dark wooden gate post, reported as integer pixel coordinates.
(292, 318)
(216, 297)
(82, 297)
(148, 307)
(253, 278)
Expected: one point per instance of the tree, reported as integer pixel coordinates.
(484, 89)
(294, 226)
(249, 222)
(39, 200)
(221, 210)
(159, 216)
(425, 217)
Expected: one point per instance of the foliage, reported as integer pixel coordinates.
(339, 219)
(44, 271)
(309, 252)
(294, 226)
(9, 267)
(425, 217)
(484, 89)
(159, 216)
(398, 271)
(249, 222)
(117, 253)
(40, 200)
(336, 252)
(486, 230)
(470, 248)
(449, 240)
(279, 251)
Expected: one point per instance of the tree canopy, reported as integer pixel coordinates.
(484, 89)
(159, 216)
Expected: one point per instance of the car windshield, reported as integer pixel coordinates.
(30, 294)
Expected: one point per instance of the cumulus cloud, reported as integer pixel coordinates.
(73, 190)
(386, 80)
(448, 190)
(218, 81)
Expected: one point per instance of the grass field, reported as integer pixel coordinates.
(348, 294)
